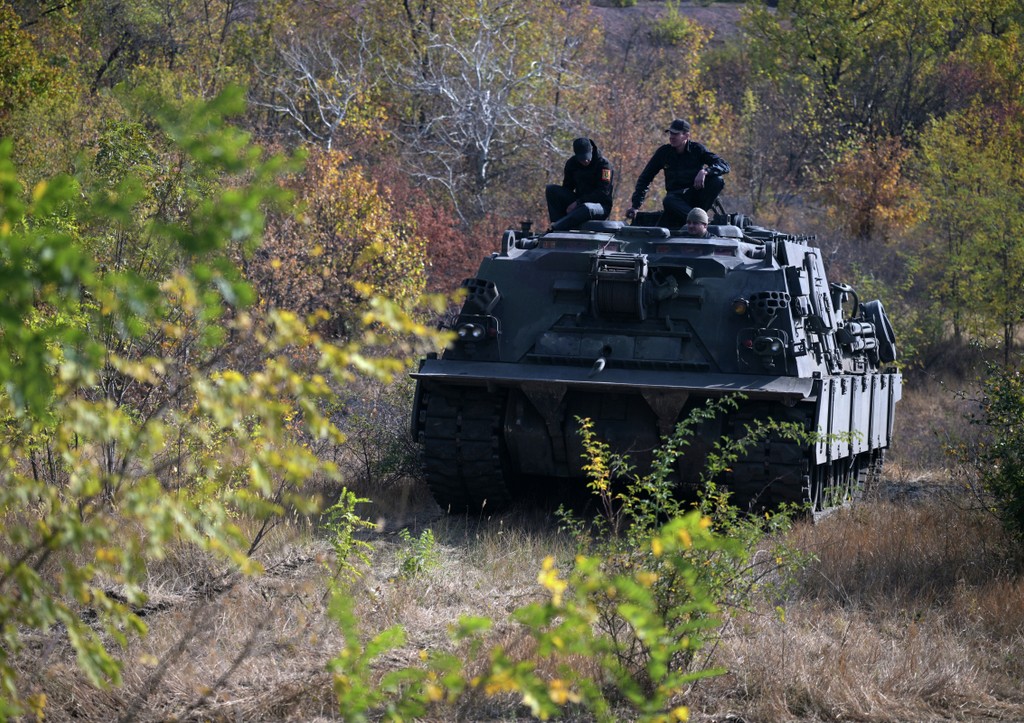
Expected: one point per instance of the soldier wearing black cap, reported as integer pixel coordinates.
(586, 190)
(693, 175)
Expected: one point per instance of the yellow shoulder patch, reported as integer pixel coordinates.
(606, 174)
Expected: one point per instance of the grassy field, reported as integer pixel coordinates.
(911, 609)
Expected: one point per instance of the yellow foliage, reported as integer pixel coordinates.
(868, 193)
(549, 578)
(560, 693)
(347, 245)
(646, 578)
(500, 682)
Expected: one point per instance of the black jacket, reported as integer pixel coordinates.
(680, 169)
(593, 183)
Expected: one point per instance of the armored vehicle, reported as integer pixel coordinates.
(634, 326)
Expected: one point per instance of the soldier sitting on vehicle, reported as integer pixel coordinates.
(586, 190)
(693, 176)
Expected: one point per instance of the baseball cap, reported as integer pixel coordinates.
(583, 149)
(678, 126)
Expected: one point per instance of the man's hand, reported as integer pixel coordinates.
(630, 214)
(571, 207)
(698, 181)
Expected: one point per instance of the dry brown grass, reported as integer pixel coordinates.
(912, 610)
(929, 418)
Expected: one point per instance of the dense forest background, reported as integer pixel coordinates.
(228, 226)
(891, 128)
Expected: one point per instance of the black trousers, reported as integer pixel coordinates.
(679, 203)
(559, 198)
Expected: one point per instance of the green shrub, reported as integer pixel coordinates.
(634, 507)
(999, 456)
(420, 553)
(565, 628)
(378, 452)
(342, 523)
(77, 537)
(639, 601)
(672, 28)
(148, 406)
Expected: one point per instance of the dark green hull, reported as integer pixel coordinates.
(633, 328)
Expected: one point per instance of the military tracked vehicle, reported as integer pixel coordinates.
(634, 326)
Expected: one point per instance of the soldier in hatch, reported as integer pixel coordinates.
(693, 176)
(697, 223)
(586, 190)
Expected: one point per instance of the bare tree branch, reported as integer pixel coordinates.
(323, 92)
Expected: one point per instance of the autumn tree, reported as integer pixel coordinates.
(346, 245)
(39, 96)
(651, 77)
(329, 88)
(970, 174)
(453, 249)
(867, 194)
(198, 46)
(866, 60)
(95, 485)
(868, 68)
(22, 72)
(483, 92)
(86, 48)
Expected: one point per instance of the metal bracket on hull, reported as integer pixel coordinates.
(547, 399)
(666, 405)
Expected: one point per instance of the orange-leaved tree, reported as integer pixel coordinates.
(867, 193)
